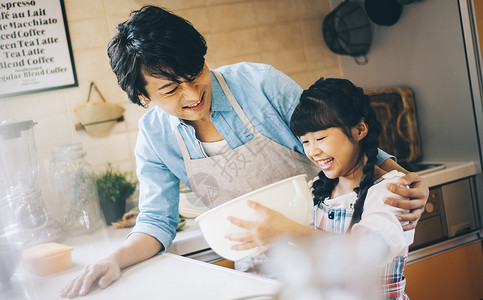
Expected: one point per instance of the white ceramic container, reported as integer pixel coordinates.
(290, 196)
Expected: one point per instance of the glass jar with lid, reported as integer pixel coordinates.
(73, 185)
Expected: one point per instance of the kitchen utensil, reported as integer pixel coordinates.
(190, 213)
(383, 12)
(18, 186)
(347, 31)
(291, 197)
(98, 118)
(190, 205)
(18, 155)
(396, 110)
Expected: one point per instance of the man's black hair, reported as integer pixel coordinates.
(155, 41)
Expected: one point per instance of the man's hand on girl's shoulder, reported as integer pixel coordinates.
(418, 193)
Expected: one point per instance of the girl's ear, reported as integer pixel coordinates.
(360, 130)
(143, 99)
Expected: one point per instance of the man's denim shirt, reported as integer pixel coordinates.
(268, 98)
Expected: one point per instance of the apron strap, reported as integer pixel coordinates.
(182, 146)
(235, 105)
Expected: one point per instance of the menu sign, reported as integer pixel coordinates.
(35, 51)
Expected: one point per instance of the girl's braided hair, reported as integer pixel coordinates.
(339, 103)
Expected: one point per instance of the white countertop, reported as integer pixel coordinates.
(188, 240)
(166, 276)
(452, 171)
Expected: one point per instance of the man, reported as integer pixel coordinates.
(223, 133)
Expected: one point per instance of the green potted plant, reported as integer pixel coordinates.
(114, 188)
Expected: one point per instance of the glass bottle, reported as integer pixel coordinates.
(73, 184)
(19, 189)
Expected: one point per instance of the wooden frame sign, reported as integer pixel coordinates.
(35, 50)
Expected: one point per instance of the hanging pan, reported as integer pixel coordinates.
(347, 31)
(383, 12)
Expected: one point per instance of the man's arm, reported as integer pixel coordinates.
(155, 225)
(137, 247)
(418, 194)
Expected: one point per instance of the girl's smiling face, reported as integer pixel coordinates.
(187, 100)
(333, 151)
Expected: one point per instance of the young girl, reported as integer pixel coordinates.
(340, 134)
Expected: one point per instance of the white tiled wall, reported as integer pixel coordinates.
(283, 33)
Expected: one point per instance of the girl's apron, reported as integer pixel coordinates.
(257, 163)
(338, 221)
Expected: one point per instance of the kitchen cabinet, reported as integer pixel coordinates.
(455, 274)
(225, 263)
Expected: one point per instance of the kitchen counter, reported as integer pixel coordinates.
(452, 171)
(190, 241)
(177, 277)
(166, 276)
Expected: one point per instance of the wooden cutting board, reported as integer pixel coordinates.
(395, 109)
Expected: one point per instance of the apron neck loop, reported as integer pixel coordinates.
(231, 98)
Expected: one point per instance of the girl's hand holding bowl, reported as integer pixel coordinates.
(269, 226)
(288, 200)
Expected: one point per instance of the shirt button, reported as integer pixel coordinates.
(331, 215)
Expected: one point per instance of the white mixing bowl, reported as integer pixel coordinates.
(291, 197)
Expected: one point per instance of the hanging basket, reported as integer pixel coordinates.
(98, 118)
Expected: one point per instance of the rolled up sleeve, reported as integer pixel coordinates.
(382, 156)
(158, 196)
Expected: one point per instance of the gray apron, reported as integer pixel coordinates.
(257, 163)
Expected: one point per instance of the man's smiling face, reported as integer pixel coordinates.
(187, 100)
